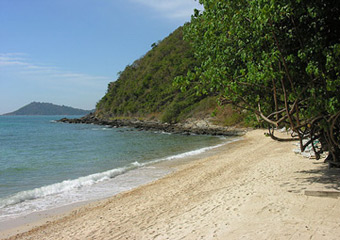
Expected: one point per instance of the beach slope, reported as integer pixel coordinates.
(255, 188)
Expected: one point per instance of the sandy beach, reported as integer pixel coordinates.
(255, 188)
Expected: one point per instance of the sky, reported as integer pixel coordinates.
(67, 51)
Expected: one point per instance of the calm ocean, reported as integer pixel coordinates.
(45, 164)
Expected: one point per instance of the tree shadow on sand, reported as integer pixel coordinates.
(328, 177)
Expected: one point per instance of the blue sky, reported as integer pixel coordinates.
(67, 51)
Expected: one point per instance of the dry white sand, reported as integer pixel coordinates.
(254, 189)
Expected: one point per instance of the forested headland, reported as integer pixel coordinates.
(276, 62)
(146, 89)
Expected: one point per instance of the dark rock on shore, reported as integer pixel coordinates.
(189, 127)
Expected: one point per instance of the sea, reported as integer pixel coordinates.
(45, 164)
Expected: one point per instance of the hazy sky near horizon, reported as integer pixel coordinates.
(67, 51)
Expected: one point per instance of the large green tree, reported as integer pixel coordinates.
(277, 59)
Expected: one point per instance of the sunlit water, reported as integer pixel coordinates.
(45, 164)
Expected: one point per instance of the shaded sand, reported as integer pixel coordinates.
(254, 189)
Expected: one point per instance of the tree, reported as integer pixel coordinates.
(277, 59)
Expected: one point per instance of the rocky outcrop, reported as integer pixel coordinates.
(191, 126)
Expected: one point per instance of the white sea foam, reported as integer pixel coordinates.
(102, 129)
(67, 185)
(137, 164)
(166, 133)
(194, 152)
(100, 190)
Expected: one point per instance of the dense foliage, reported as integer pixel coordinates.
(146, 86)
(277, 59)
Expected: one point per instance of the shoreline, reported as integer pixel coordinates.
(191, 126)
(253, 188)
(152, 171)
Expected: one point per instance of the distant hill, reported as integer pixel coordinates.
(38, 108)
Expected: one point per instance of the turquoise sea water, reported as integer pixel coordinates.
(45, 164)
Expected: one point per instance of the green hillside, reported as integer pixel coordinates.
(145, 88)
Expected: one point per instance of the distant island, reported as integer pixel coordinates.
(40, 108)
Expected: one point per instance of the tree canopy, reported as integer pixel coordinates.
(277, 59)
